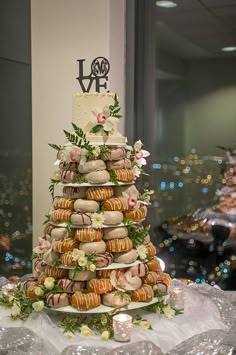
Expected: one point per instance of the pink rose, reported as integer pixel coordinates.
(101, 118)
(131, 202)
(138, 155)
(75, 155)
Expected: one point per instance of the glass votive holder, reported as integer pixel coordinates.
(122, 324)
(176, 298)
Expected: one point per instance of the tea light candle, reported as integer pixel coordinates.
(122, 324)
(177, 298)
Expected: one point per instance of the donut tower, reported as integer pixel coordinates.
(96, 250)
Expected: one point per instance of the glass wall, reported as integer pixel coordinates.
(15, 139)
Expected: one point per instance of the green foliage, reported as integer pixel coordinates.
(96, 128)
(52, 186)
(47, 220)
(79, 139)
(55, 146)
(113, 177)
(137, 233)
(115, 109)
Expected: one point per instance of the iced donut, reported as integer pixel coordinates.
(99, 286)
(62, 246)
(48, 229)
(63, 202)
(67, 259)
(93, 247)
(105, 274)
(91, 166)
(113, 217)
(81, 219)
(85, 301)
(61, 216)
(113, 299)
(116, 232)
(124, 175)
(97, 177)
(119, 245)
(99, 193)
(74, 192)
(39, 265)
(68, 176)
(143, 294)
(83, 275)
(115, 204)
(104, 259)
(42, 277)
(88, 235)
(126, 258)
(119, 164)
(71, 166)
(57, 300)
(115, 154)
(86, 205)
(70, 286)
(139, 270)
(154, 265)
(137, 215)
(56, 272)
(151, 278)
(151, 250)
(60, 233)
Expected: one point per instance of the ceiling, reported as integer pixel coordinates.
(197, 28)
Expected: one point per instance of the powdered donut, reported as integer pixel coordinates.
(104, 259)
(139, 270)
(126, 258)
(136, 282)
(83, 275)
(119, 245)
(99, 193)
(143, 294)
(97, 177)
(160, 286)
(63, 202)
(86, 205)
(74, 192)
(70, 286)
(93, 248)
(115, 154)
(88, 235)
(113, 217)
(99, 286)
(81, 219)
(119, 164)
(85, 301)
(113, 299)
(91, 166)
(60, 233)
(115, 233)
(57, 300)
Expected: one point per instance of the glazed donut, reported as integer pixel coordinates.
(31, 281)
(62, 246)
(166, 279)
(139, 270)
(86, 205)
(99, 286)
(68, 176)
(124, 175)
(48, 230)
(119, 164)
(88, 235)
(147, 239)
(60, 233)
(61, 216)
(99, 193)
(151, 250)
(56, 272)
(63, 202)
(70, 286)
(126, 258)
(91, 166)
(104, 259)
(39, 265)
(115, 154)
(57, 300)
(130, 190)
(85, 301)
(115, 233)
(154, 265)
(119, 245)
(93, 247)
(97, 177)
(115, 204)
(41, 278)
(74, 192)
(151, 278)
(143, 294)
(81, 219)
(68, 260)
(112, 217)
(30, 291)
(137, 215)
(113, 299)
(83, 275)
(105, 274)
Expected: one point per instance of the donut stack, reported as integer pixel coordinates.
(87, 247)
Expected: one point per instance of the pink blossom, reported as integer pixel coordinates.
(101, 118)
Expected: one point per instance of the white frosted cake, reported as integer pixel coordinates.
(97, 114)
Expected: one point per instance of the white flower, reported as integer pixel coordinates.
(92, 267)
(142, 252)
(136, 171)
(70, 153)
(96, 151)
(38, 306)
(142, 323)
(49, 283)
(69, 334)
(82, 261)
(10, 298)
(105, 335)
(86, 331)
(168, 311)
(140, 154)
(38, 291)
(103, 118)
(76, 254)
(97, 220)
(138, 145)
(15, 310)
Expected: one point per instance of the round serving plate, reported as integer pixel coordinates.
(86, 184)
(64, 225)
(105, 309)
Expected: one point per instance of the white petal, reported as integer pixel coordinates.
(145, 153)
(96, 111)
(108, 126)
(143, 161)
(106, 111)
